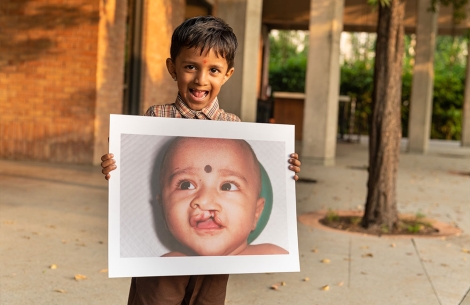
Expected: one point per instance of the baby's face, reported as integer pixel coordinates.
(210, 195)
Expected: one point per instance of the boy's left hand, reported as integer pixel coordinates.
(295, 165)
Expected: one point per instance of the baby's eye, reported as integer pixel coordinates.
(186, 185)
(229, 186)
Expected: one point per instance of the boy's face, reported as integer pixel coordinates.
(210, 192)
(199, 77)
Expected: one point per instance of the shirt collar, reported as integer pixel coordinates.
(210, 112)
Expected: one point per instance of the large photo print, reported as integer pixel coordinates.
(200, 197)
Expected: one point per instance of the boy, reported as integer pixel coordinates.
(210, 196)
(202, 56)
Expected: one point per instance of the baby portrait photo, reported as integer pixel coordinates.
(218, 204)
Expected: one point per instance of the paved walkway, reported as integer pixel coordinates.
(56, 214)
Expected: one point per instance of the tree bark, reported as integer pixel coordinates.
(385, 126)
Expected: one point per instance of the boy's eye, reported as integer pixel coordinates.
(214, 70)
(186, 185)
(229, 186)
(190, 67)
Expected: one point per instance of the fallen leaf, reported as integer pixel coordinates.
(81, 245)
(64, 241)
(368, 255)
(283, 284)
(393, 245)
(409, 253)
(53, 266)
(315, 250)
(444, 265)
(325, 261)
(8, 222)
(103, 271)
(365, 247)
(51, 226)
(274, 287)
(79, 277)
(60, 290)
(325, 288)
(306, 279)
(362, 272)
(465, 250)
(340, 284)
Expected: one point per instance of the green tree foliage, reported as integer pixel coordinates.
(288, 63)
(288, 68)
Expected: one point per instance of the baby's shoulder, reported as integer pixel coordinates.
(264, 249)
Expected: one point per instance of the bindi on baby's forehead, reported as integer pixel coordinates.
(208, 168)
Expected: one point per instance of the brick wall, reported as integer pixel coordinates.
(48, 58)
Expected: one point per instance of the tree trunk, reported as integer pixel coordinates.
(385, 126)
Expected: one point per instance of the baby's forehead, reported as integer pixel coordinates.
(210, 144)
(202, 146)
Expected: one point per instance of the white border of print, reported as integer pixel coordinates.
(163, 266)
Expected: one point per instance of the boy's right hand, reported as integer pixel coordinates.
(108, 165)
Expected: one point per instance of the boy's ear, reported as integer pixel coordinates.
(171, 67)
(259, 209)
(228, 74)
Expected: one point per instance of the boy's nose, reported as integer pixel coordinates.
(201, 78)
(205, 200)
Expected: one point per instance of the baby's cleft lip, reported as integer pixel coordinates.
(207, 220)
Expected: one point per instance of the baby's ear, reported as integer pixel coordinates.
(259, 209)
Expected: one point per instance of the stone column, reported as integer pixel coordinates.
(110, 71)
(239, 94)
(161, 17)
(419, 125)
(322, 82)
(264, 83)
(466, 107)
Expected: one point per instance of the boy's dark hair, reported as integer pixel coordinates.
(205, 33)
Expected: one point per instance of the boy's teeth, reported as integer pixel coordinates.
(198, 93)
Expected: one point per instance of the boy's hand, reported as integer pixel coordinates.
(295, 165)
(108, 165)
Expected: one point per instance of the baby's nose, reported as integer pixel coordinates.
(205, 200)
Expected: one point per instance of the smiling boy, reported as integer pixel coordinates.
(202, 57)
(211, 196)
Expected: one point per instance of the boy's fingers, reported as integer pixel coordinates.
(107, 163)
(107, 157)
(296, 177)
(107, 176)
(295, 162)
(295, 169)
(106, 170)
(294, 155)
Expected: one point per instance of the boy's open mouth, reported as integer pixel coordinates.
(199, 94)
(207, 220)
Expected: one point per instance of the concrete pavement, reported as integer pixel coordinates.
(57, 214)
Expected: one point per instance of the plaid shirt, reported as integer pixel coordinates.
(180, 110)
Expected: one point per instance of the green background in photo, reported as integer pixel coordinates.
(267, 194)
